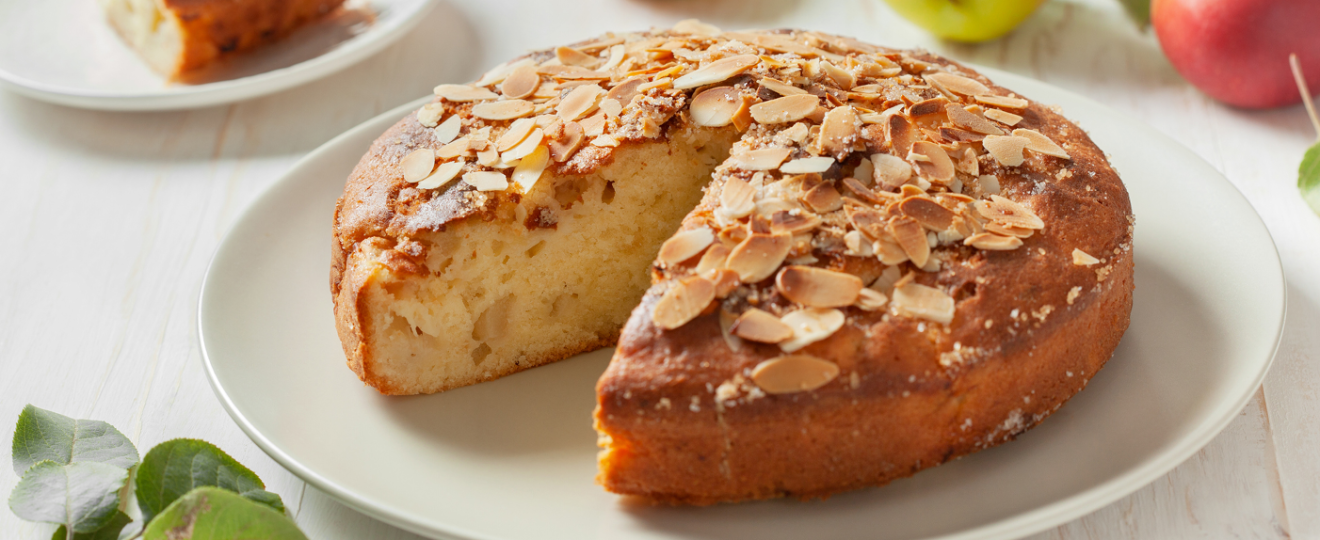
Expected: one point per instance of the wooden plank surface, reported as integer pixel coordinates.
(110, 220)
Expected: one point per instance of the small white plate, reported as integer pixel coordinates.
(65, 52)
(515, 458)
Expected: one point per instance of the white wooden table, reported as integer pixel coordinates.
(109, 221)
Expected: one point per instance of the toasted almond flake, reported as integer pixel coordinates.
(517, 132)
(1003, 102)
(793, 374)
(502, 71)
(963, 118)
(841, 77)
(912, 238)
(725, 280)
(503, 110)
(818, 287)
(429, 115)
(487, 180)
(871, 300)
(793, 222)
(463, 92)
(568, 142)
(661, 82)
(443, 175)
(530, 167)
(573, 57)
(695, 27)
(617, 54)
(579, 102)
(528, 145)
(929, 106)
(447, 131)
(454, 149)
(1007, 150)
(758, 256)
(686, 245)
(757, 325)
(594, 125)
(806, 165)
(1082, 258)
(916, 300)
(521, 82)
(890, 171)
(988, 183)
(823, 198)
(780, 87)
(417, 165)
(958, 83)
(785, 109)
(1009, 213)
(611, 107)
(624, 91)
(736, 198)
(937, 164)
(717, 71)
(1007, 118)
(683, 302)
(765, 159)
(901, 134)
(713, 259)
(811, 325)
(1039, 143)
(839, 131)
(993, 242)
(928, 213)
(715, 106)
(1007, 230)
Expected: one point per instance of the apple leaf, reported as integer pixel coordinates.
(1138, 11)
(211, 513)
(43, 435)
(110, 531)
(84, 495)
(176, 467)
(1308, 177)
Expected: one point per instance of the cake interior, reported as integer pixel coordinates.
(502, 296)
(150, 28)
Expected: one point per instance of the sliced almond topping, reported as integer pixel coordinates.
(958, 83)
(785, 109)
(792, 222)
(968, 163)
(429, 115)
(811, 325)
(683, 302)
(530, 167)
(962, 118)
(988, 183)
(871, 300)
(1007, 150)
(839, 131)
(889, 252)
(890, 171)
(521, 82)
(463, 92)
(736, 199)
(928, 213)
(912, 238)
(929, 106)
(823, 198)
(695, 27)
(454, 149)
(443, 175)
(758, 256)
(717, 71)
(901, 134)
(573, 57)
(503, 110)
(725, 280)
(686, 245)
(765, 159)
(448, 130)
(1006, 118)
(792, 374)
(487, 180)
(867, 221)
(937, 164)
(568, 142)
(1009, 213)
(818, 287)
(579, 102)
(528, 145)
(713, 259)
(1040, 144)
(993, 242)
(916, 300)
(779, 87)
(594, 125)
(1082, 258)
(417, 165)
(1003, 102)
(841, 77)
(806, 165)
(611, 107)
(605, 140)
(502, 71)
(715, 107)
(517, 132)
(1007, 230)
(624, 91)
(759, 326)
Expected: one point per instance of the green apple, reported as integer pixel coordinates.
(966, 20)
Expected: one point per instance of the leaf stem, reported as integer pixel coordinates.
(1306, 93)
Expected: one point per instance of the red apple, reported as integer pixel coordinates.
(1237, 50)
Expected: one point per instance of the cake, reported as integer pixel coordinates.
(825, 264)
(178, 36)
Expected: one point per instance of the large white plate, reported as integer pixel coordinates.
(64, 51)
(515, 458)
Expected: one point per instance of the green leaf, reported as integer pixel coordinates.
(43, 435)
(1138, 11)
(1308, 177)
(109, 532)
(176, 467)
(265, 497)
(209, 513)
(84, 496)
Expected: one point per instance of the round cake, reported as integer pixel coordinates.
(883, 260)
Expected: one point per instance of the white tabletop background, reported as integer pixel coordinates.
(108, 221)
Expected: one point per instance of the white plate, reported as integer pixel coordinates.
(64, 51)
(515, 458)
